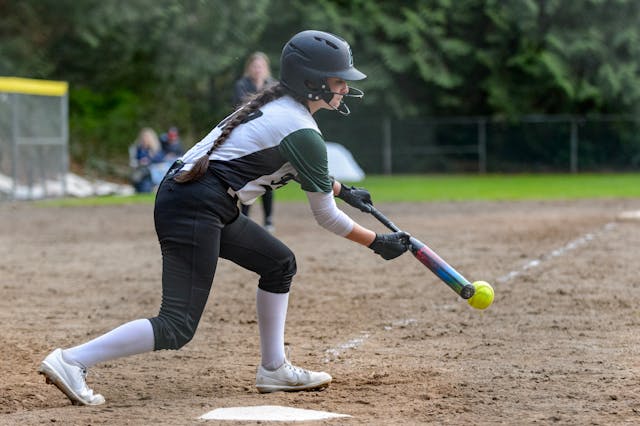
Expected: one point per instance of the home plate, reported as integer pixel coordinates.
(268, 413)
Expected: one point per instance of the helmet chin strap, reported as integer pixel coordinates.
(343, 109)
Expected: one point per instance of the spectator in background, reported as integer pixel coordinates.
(171, 145)
(148, 152)
(257, 75)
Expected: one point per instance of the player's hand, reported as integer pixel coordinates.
(356, 197)
(390, 246)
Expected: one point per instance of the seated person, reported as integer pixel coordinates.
(148, 161)
(171, 145)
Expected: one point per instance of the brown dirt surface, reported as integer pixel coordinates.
(558, 346)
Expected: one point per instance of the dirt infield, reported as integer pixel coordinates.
(560, 344)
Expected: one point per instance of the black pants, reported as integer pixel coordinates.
(198, 222)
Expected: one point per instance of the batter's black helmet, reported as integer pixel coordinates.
(312, 56)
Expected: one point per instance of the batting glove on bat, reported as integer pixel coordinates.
(390, 246)
(356, 197)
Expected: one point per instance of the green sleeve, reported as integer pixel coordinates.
(307, 152)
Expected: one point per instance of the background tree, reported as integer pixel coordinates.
(162, 62)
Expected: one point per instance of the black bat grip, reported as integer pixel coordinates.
(383, 219)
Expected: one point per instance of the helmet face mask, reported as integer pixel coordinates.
(310, 57)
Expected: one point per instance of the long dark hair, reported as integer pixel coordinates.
(253, 104)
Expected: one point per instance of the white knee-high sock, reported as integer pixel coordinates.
(272, 314)
(131, 338)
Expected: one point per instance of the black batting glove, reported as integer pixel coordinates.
(390, 246)
(356, 197)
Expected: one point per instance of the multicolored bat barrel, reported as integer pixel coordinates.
(442, 269)
(431, 260)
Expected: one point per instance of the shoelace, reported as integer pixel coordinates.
(87, 390)
(296, 369)
(85, 371)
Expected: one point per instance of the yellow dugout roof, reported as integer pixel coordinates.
(30, 86)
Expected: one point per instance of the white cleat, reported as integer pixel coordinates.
(69, 378)
(289, 378)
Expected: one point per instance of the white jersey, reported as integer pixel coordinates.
(279, 142)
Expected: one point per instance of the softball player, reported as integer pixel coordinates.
(266, 143)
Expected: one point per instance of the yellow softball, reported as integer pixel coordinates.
(483, 297)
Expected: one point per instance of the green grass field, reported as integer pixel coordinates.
(450, 188)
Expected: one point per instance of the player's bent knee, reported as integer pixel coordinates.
(170, 334)
(277, 279)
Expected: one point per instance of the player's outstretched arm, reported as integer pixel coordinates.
(388, 246)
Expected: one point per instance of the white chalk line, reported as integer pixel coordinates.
(630, 215)
(334, 353)
(337, 351)
(571, 245)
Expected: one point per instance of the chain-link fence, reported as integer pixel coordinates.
(542, 143)
(33, 138)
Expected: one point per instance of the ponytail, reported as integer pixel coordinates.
(253, 104)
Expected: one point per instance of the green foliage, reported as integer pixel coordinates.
(564, 57)
(103, 122)
(173, 62)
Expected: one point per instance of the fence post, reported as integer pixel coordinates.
(574, 146)
(13, 98)
(482, 146)
(64, 134)
(386, 145)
